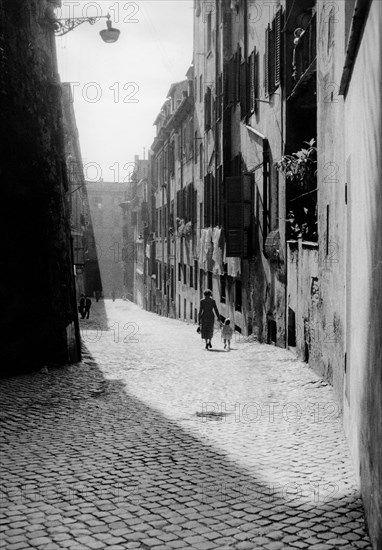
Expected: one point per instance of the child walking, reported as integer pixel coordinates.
(227, 332)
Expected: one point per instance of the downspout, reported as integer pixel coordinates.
(265, 190)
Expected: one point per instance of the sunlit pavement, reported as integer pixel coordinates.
(154, 442)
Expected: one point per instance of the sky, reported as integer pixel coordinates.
(119, 88)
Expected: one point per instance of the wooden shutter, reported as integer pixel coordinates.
(239, 215)
(266, 61)
(256, 80)
(237, 74)
(278, 50)
(243, 89)
(234, 225)
(251, 63)
(271, 59)
(207, 200)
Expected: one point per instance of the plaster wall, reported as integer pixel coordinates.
(363, 383)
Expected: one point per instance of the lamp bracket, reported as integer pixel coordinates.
(63, 26)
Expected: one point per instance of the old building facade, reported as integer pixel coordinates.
(264, 173)
(103, 256)
(80, 224)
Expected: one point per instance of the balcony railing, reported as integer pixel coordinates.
(304, 53)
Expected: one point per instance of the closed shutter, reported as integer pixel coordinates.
(231, 80)
(237, 75)
(239, 215)
(271, 59)
(266, 62)
(278, 50)
(243, 90)
(252, 81)
(256, 71)
(207, 200)
(234, 225)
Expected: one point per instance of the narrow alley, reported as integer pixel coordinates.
(154, 442)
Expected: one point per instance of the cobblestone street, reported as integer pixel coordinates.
(154, 442)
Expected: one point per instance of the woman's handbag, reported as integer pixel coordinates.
(198, 330)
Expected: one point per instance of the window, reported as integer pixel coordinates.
(209, 31)
(209, 279)
(190, 310)
(272, 56)
(201, 167)
(196, 147)
(172, 283)
(191, 276)
(179, 272)
(185, 274)
(201, 88)
(330, 37)
(196, 274)
(172, 158)
(253, 81)
(222, 289)
(238, 292)
(207, 109)
(219, 97)
(239, 213)
(184, 308)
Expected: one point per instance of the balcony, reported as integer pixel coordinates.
(304, 61)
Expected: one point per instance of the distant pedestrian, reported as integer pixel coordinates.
(207, 318)
(97, 295)
(81, 306)
(88, 304)
(227, 332)
(113, 295)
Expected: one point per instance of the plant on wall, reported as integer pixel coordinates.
(300, 168)
(300, 171)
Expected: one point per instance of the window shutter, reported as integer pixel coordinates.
(266, 62)
(278, 52)
(243, 89)
(239, 214)
(234, 226)
(256, 80)
(206, 200)
(271, 59)
(237, 75)
(252, 82)
(207, 109)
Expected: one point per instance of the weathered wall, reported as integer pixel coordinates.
(331, 197)
(363, 146)
(37, 290)
(107, 222)
(349, 176)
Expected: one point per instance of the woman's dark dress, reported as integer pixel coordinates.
(207, 317)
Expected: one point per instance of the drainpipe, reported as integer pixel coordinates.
(265, 189)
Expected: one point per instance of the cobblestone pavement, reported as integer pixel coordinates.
(154, 442)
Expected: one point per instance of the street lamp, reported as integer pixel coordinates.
(108, 35)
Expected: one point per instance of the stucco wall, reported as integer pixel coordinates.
(363, 146)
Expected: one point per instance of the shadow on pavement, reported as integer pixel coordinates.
(82, 453)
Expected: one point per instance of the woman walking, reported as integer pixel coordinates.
(207, 317)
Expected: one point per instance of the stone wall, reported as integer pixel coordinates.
(37, 293)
